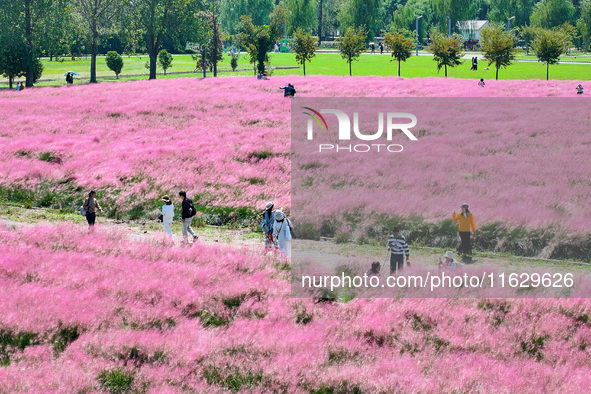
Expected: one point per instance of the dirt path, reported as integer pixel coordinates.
(331, 252)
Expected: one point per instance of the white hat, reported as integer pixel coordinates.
(270, 204)
(279, 215)
(449, 254)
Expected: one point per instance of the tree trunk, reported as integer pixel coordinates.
(547, 71)
(350, 73)
(445, 66)
(497, 73)
(398, 67)
(215, 45)
(30, 75)
(10, 80)
(93, 47)
(320, 22)
(304, 68)
(153, 53)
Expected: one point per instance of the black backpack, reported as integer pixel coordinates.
(192, 209)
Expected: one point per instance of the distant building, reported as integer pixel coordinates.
(471, 29)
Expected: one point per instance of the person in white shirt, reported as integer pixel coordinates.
(282, 232)
(449, 261)
(167, 215)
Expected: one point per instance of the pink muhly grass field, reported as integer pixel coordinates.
(226, 139)
(214, 318)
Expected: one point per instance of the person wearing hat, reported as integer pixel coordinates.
(449, 261)
(167, 214)
(282, 232)
(267, 224)
(466, 228)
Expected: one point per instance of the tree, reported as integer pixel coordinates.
(552, 13)
(405, 16)
(97, 15)
(232, 10)
(584, 22)
(213, 34)
(234, 61)
(160, 19)
(352, 44)
(301, 14)
(165, 60)
(23, 20)
(457, 10)
(501, 10)
(114, 62)
(13, 59)
(498, 46)
(55, 31)
(259, 40)
(327, 18)
(366, 13)
(528, 34)
(305, 47)
(549, 45)
(447, 51)
(401, 47)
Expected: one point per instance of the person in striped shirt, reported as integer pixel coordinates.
(398, 247)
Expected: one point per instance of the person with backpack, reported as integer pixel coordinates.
(267, 224)
(167, 215)
(398, 247)
(188, 212)
(90, 206)
(282, 233)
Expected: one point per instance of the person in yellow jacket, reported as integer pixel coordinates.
(466, 227)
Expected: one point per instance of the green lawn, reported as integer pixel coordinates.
(323, 63)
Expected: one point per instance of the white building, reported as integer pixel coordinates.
(471, 29)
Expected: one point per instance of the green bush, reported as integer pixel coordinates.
(114, 62)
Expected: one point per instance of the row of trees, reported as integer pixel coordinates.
(33, 28)
(327, 17)
(498, 46)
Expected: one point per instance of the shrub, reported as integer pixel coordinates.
(114, 62)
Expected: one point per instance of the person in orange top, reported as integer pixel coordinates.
(467, 225)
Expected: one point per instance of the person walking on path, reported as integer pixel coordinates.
(267, 224)
(188, 212)
(398, 247)
(466, 228)
(373, 48)
(91, 205)
(381, 48)
(167, 215)
(481, 83)
(282, 233)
